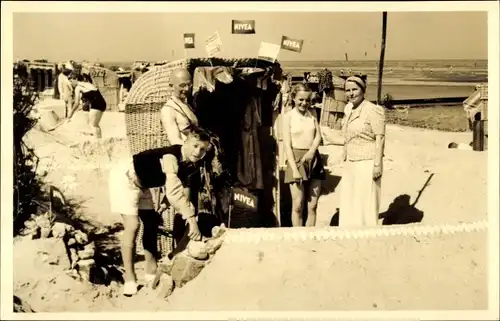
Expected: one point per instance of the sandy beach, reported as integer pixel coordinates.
(371, 272)
(154, 75)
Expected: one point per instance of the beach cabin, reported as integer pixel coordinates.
(476, 109)
(108, 83)
(237, 104)
(42, 73)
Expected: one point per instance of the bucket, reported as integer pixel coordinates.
(48, 120)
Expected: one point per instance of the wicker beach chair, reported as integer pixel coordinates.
(142, 117)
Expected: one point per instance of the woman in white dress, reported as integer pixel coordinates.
(304, 172)
(363, 129)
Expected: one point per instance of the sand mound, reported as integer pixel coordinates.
(78, 165)
(48, 287)
(434, 271)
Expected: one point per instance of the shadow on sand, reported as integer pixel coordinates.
(400, 211)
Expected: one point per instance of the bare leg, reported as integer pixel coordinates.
(149, 239)
(297, 192)
(131, 226)
(94, 120)
(312, 201)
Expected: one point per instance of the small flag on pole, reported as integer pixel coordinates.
(213, 45)
(189, 40)
(269, 51)
(291, 44)
(243, 26)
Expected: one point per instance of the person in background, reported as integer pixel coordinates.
(64, 87)
(93, 102)
(86, 75)
(175, 167)
(363, 131)
(304, 172)
(177, 115)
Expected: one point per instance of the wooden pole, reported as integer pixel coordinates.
(382, 55)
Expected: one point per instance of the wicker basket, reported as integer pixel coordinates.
(483, 90)
(165, 243)
(483, 94)
(144, 128)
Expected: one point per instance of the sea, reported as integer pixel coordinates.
(402, 79)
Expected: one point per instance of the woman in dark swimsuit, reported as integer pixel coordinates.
(93, 102)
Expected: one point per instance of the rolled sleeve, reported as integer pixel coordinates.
(174, 188)
(377, 120)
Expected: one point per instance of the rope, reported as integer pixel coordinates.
(307, 234)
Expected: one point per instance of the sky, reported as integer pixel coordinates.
(115, 37)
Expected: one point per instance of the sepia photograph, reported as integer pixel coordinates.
(256, 159)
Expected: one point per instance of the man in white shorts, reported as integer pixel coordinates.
(177, 168)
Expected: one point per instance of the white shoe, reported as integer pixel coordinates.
(130, 288)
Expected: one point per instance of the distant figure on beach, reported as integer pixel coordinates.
(177, 116)
(363, 129)
(461, 146)
(341, 72)
(93, 102)
(64, 87)
(86, 75)
(304, 172)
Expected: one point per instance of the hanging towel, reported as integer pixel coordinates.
(206, 77)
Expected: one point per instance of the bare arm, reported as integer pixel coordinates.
(174, 189)
(317, 139)
(287, 143)
(378, 127)
(76, 102)
(170, 126)
(379, 149)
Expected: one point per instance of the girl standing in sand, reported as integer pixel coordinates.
(364, 139)
(93, 102)
(304, 172)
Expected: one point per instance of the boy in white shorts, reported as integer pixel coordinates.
(177, 168)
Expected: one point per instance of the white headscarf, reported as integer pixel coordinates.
(68, 65)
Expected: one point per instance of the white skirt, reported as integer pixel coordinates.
(359, 195)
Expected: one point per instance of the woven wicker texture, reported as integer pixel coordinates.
(483, 89)
(165, 243)
(144, 128)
